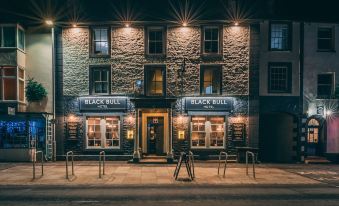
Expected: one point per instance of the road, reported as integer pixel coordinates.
(178, 195)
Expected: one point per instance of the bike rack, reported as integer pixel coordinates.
(253, 162)
(102, 162)
(225, 165)
(70, 153)
(191, 162)
(42, 163)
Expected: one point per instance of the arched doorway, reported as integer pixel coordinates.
(315, 138)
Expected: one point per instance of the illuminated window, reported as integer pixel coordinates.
(280, 36)
(103, 132)
(313, 131)
(325, 86)
(155, 41)
(100, 79)
(211, 40)
(210, 80)
(325, 39)
(207, 132)
(12, 84)
(155, 81)
(279, 78)
(100, 41)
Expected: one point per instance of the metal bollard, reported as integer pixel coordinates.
(42, 163)
(102, 158)
(191, 159)
(225, 165)
(67, 157)
(253, 162)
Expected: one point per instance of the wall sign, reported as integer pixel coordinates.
(102, 103)
(238, 131)
(209, 103)
(73, 130)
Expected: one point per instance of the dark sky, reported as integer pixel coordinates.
(33, 11)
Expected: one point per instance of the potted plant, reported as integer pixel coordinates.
(36, 95)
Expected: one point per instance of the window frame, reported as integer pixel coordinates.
(332, 85)
(332, 49)
(288, 76)
(17, 80)
(91, 75)
(103, 130)
(16, 27)
(148, 29)
(220, 40)
(147, 68)
(289, 36)
(91, 40)
(212, 67)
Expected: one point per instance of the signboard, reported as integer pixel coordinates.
(209, 103)
(11, 111)
(320, 110)
(73, 130)
(238, 131)
(102, 103)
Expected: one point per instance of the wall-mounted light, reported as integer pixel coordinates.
(184, 24)
(74, 25)
(130, 134)
(181, 134)
(236, 23)
(71, 118)
(49, 22)
(127, 25)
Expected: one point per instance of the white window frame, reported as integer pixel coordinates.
(17, 84)
(103, 132)
(204, 40)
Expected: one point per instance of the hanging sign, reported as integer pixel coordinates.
(102, 103)
(209, 103)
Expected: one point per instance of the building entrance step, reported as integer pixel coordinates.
(316, 160)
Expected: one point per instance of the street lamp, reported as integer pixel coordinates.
(49, 22)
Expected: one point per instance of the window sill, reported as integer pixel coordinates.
(280, 50)
(99, 56)
(155, 55)
(211, 56)
(102, 149)
(326, 50)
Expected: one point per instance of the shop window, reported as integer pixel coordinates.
(211, 40)
(103, 132)
(280, 36)
(155, 81)
(100, 79)
(325, 86)
(210, 80)
(279, 78)
(155, 38)
(207, 132)
(325, 39)
(313, 131)
(100, 41)
(12, 80)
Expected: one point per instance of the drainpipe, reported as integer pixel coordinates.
(53, 90)
(301, 94)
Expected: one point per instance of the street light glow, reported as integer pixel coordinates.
(49, 22)
(236, 23)
(184, 24)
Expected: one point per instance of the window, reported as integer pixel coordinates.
(100, 79)
(207, 132)
(279, 78)
(313, 131)
(8, 36)
(280, 37)
(325, 39)
(155, 81)
(100, 41)
(211, 41)
(156, 41)
(325, 86)
(12, 84)
(103, 132)
(21, 39)
(210, 80)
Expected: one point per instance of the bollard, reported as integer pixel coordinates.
(253, 162)
(72, 158)
(225, 165)
(42, 163)
(102, 159)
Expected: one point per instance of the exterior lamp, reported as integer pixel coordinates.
(236, 23)
(184, 24)
(74, 25)
(127, 25)
(49, 22)
(181, 134)
(130, 134)
(328, 113)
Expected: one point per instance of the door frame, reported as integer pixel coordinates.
(144, 130)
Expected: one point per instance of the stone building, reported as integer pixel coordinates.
(156, 89)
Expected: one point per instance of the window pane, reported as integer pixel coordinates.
(279, 36)
(21, 90)
(211, 81)
(325, 85)
(208, 34)
(10, 71)
(9, 36)
(279, 79)
(215, 34)
(154, 82)
(103, 35)
(21, 73)
(96, 75)
(21, 36)
(9, 89)
(325, 33)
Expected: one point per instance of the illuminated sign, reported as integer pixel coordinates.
(102, 103)
(209, 103)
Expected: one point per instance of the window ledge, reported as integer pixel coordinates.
(99, 56)
(326, 50)
(211, 55)
(155, 55)
(278, 50)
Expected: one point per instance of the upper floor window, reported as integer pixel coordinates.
(21, 39)
(100, 41)
(325, 86)
(325, 39)
(280, 38)
(211, 40)
(12, 36)
(155, 80)
(100, 79)
(210, 80)
(155, 41)
(279, 78)
(12, 84)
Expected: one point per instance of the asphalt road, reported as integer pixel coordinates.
(178, 195)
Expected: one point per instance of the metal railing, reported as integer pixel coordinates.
(102, 163)
(248, 153)
(70, 153)
(225, 165)
(42, 163)
(191, 163)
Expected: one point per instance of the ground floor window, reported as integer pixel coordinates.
(207, 132)
(103, 132)
(313, 131)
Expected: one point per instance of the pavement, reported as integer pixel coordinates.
(121, 173)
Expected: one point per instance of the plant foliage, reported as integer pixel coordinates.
(35, 92)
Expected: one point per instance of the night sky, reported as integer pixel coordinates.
(33, 11)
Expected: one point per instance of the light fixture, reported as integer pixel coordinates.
(130, 134)
(328, 112)
(71, 118)
(184, 24)
(74, 25)
(236, 23)
(181, 134)
(127, 25)
(49, 22)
